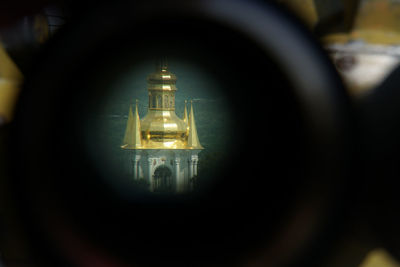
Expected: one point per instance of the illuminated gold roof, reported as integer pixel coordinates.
(185, 115)
(161, 79)
(193, 139)
(161, 128)
(132, 138)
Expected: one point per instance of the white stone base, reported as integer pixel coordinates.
(181, 163)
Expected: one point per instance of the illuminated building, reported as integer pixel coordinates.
(162, 148)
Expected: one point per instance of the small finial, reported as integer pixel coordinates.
(137, 101)
(162, 64)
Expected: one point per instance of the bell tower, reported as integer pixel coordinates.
(161, 87)
(162, 149)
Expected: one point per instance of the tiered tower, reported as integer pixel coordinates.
(162, 149)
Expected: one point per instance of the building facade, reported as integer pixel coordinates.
(162, 149)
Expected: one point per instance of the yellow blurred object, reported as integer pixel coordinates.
(364, 33)
(305, 9)
(10, 81)
(371, 21)
(376, 22)
(41, 28)
(379, 258)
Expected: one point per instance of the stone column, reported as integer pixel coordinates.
(128, 159)
(135, 167)
(191, 173)
(195, 167)
(178, 179)
(150, 175)
(194, 179)
(190, 168)
(193, 170)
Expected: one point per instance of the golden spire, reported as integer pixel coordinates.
(161, 85)
(185, 116)
(193, 139)
(132, 137)
(162, 64)
(161, 127)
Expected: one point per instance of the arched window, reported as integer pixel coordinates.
(154, 102)
(163, 180)
(159, 101)
(166, 101)
(171, 101)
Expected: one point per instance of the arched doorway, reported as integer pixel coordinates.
(163, 180)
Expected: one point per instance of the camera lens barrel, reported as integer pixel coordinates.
(289, 156)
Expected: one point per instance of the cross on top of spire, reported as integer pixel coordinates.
(162, 64)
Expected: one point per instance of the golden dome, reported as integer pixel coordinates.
(161, 128)
(161, 79)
